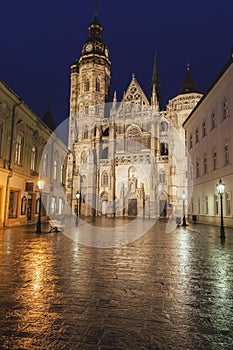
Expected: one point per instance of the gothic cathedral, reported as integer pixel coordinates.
(125, 158)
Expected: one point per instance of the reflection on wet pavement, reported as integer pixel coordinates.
(162, 291)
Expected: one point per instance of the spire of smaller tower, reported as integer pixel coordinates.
(48, 119)
(188, 85)
(154, 100)
(114, 100)
(155, 84)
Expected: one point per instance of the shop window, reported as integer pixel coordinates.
(13, 204)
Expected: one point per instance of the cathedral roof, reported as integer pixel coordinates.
(188, 85)
(48, 119)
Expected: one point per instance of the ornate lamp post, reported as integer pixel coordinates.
(77, 205)
(40, 186)
(183, 196)
(221, 187)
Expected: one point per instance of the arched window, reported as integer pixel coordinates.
(105, 153)
(163, 149)
(134, 142)
(163, 126)
(84, 158)
(97, 84)
(132, 172)
(162, 178)
(85, 132)
(86, 85)
(97, 109)
(104, 178)
(86, 109)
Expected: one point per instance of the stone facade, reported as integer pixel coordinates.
(23, 137)
(125, 158)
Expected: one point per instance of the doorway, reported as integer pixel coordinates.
(29, 208)
(132, 207)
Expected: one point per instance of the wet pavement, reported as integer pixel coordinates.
(162, 291)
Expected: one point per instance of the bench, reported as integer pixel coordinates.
(55, 226)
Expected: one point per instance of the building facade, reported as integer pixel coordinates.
(23, 137)
(125, 158)
(209, 130)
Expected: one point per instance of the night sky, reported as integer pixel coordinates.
(41, 39)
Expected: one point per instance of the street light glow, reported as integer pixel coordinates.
(40, 184)
(220, 187)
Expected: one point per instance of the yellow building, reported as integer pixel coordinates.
(23, 137)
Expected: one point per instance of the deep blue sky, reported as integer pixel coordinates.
(40, 40)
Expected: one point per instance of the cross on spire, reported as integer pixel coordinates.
(96, 8)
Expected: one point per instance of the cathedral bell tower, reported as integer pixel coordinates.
(90, 80)
(89, 91)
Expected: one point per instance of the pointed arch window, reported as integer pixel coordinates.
(97, 109)
(163, 149)
(134, 141)
(84, 158)
(85, 132)
(162, 178)
(163, 126)
(97, 84)
(86, 85)
(104, 178)
(132, 173)
(86, 110)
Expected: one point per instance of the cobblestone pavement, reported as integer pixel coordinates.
(163, 291)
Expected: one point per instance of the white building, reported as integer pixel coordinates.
(209, 133)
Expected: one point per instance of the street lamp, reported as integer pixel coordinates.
(40, 184)
(77, 206)
(183, 196)
(221, 187)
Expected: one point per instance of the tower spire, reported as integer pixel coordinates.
(155, 85)
(188, 85)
